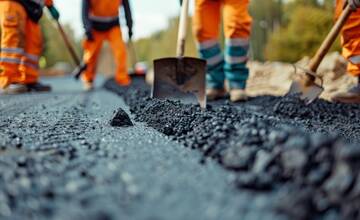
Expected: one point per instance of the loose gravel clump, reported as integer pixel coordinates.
(270, 143)
(121, 119)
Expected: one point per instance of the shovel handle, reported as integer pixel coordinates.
(180, 51)
(68, 44)
(330, 39)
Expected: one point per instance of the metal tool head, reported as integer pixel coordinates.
(180, 78)
(307, 84)
(79, 70)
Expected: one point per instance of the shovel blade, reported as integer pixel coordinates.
(295, 88)
(309, 92)
(312, 93)
(181, 78)
(79, 70)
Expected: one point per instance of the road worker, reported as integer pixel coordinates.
(232, 65)
(350, 41)
(21, 44)
(101, 22)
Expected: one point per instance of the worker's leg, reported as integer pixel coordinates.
(351, 44)
(12, 25)
(91, 54)
(33, 47)
(119, 50)
(350, 40)
(206, 29)
(237, 25)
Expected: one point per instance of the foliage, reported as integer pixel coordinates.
(302, 36)
(54, 47)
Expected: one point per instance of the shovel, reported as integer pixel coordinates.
(180, 78)
(309, 84)
(80, 66)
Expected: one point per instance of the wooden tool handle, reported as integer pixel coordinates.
(182, 29)
(68, 44)
(330, 39)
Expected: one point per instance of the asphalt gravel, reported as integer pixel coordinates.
(60, 158)
(308, 154)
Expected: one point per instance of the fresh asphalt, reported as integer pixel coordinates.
(61, 159)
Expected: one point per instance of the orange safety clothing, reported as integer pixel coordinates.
(237, 25)
(49, 3)
(105, 8)
(21, 44)
(104, 17)
(207, 18)
(93, 48)
(12, 25)
(33, 49)
(350, 39)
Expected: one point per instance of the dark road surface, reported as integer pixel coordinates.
(60, 159)
(309, 154)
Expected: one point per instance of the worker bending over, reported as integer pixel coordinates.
(350, 41)
(101, 22)
(232, 65)
(21, 44)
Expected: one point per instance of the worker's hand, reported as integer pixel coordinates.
(354, 4)
(89, 35)
(130, 33)
(54, 12)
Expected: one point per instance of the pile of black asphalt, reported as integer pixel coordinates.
(309, 154)
(70, 154)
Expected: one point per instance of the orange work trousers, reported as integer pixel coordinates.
(207, 18)
(231, 64)
(21, 45)
(93, 48)
(350, 39)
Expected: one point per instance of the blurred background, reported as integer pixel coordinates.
(283, 30)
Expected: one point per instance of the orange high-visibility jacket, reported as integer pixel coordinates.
(103, 15)
(21, 40)
(350, 39)
(34, 8)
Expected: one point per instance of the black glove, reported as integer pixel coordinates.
(354, 4)
(89, 35)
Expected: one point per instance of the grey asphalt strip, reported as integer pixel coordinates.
(61, 159)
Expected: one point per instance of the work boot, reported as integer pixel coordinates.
(14, 89)
(214, 94)
(351, 96)
(38, 87)
(238, 95)
(88, 85)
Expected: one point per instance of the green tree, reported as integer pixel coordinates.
(303, 34)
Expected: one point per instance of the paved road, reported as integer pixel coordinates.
(60, 159)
